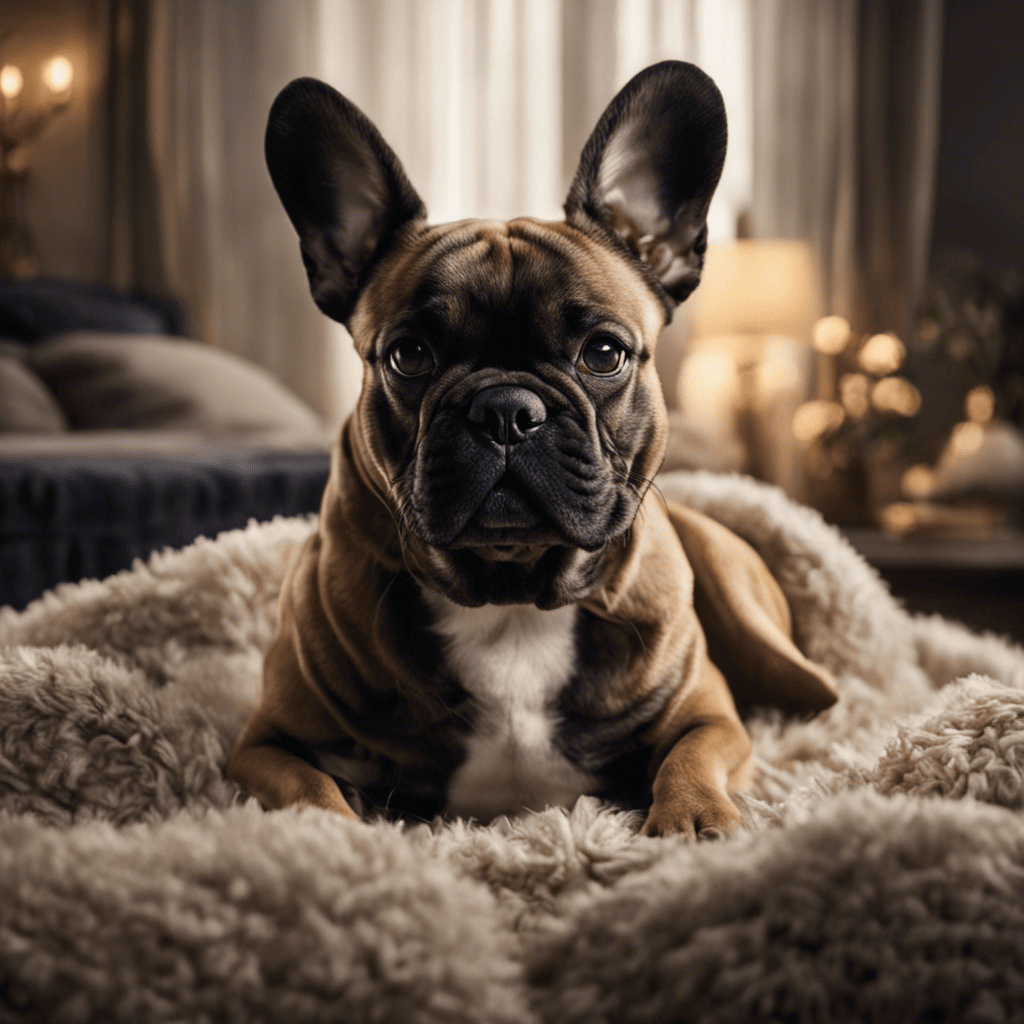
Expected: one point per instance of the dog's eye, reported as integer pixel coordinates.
(602, 355)
(410, 358)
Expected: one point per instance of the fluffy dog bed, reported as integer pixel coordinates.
(880, 876)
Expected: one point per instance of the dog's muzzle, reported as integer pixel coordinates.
(511, 467)
(507, 415)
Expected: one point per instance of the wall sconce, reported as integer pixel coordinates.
(21, 123)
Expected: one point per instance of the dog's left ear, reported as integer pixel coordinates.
(342, 186)
(650, 168)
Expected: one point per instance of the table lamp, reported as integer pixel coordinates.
(750, 360)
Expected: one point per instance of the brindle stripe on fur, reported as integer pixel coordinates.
(598, 721)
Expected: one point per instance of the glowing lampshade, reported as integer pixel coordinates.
(757, 286)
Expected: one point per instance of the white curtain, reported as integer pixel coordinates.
(489, 102)
(486, 102)
(846, 125)
(833, 120)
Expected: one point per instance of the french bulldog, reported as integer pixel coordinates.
(497, 611)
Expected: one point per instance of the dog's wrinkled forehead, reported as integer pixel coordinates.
(506, 276)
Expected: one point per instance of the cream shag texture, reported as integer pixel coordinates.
(880, 875)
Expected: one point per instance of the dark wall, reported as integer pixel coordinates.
(980, 187)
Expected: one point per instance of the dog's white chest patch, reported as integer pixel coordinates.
(513, 660)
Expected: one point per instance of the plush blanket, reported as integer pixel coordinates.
(880, 875)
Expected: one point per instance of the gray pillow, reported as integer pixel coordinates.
(26, 406)
(117, 381)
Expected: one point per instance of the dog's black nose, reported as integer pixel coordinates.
(507, 413)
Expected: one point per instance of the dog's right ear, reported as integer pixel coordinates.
(650, 168)
(342, 186)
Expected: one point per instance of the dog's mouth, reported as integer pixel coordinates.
(507, 526)
(506, 507)
(509, 552)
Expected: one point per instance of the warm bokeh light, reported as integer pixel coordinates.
(882, 354)
(960, 344)
(980, 404)
(899, 518)
(831, 335)
(918, 481)
(928, 332)
(896, 394)
(814, 419)
(57, 74)
(966, 439)
(853, 393)
(11, 81)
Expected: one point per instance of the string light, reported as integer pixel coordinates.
(814, 419)
(831, 335)
(966, 439)
(882, 354)
(928, 332)
(853, 393)
(980, 404)
(960, 344)
(896, 394)
(917, 481)
(899, 518)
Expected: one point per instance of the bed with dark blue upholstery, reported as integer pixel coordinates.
(119, 437)
(88, 516)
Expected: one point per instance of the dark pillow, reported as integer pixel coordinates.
(117, 381)
(42, 307)
(26, 405)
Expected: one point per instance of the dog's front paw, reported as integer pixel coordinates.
(711, 818)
